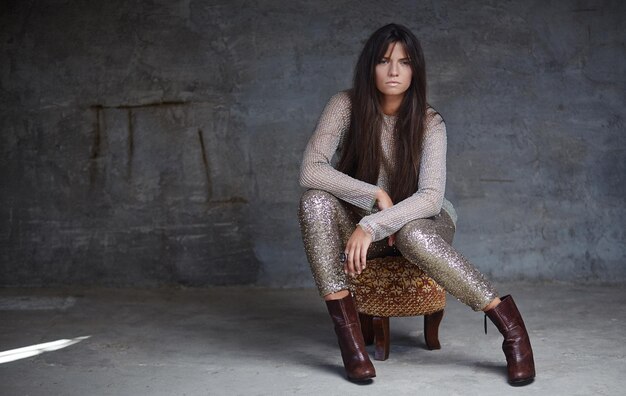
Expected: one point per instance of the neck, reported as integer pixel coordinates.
(391, 104)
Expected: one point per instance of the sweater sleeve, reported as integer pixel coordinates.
(427, 201)
(318, 173)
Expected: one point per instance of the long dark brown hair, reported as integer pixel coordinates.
(361, 152)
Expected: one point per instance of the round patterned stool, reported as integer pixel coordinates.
(392, 286)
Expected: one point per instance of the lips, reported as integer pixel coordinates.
(393, 83)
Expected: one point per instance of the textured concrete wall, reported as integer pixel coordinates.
(157, 142)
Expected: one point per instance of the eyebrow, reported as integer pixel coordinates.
(402, 59)
(393, 46)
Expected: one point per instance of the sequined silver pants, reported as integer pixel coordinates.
(327, 222)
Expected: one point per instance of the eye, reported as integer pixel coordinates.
(406, 62)
(383, 61)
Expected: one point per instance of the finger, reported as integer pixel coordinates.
(346, 258)
(362, 255)
(364, 248)
(392, 239)
(357, 259)
(343, 259)
(351, 269)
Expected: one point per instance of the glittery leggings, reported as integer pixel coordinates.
(327, 222)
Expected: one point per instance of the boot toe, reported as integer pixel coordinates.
(364, 376)
(521, 381)
(522, 377)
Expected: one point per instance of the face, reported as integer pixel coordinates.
(393, 71)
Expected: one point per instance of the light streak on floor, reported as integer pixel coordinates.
(34, 350)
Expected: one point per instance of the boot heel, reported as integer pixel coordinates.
(356, 362)
(516, 345)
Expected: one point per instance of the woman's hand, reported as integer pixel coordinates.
(360, 240)
(356, 248)
(383, 200)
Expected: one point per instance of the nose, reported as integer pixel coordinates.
(393, 69)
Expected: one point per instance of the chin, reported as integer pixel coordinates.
(393, 92)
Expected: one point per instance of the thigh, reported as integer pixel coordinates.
(321, 209)
(440, 225)
(444, 226)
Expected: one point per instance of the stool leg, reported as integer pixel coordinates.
(367, 328)
(381, 331)
(431, 329)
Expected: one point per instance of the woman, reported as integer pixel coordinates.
(389, 181)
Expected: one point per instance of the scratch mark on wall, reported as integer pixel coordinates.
(231, 200)
(144, 105)
(131, 142)
(95, 146)
(497, 180)
(25, 22)
(207, 168)
(10, 223)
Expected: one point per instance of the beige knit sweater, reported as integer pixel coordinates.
(318, 173)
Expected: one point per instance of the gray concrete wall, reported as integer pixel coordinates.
(158, 142)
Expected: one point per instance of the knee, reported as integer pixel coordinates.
(416, 232)
(316, 197)
(316, 202)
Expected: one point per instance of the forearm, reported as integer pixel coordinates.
(387, 222)
(321, 176)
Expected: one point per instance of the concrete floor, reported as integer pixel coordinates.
(249, 341)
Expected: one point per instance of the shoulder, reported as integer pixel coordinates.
(342, 100)
(434, 126)
(338, 107)
(433, 118)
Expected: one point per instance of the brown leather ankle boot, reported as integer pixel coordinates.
(357, 363)
(516, 344)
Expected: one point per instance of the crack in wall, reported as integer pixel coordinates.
(95, 147)
(130, 110)
(143, 105)
(497, 180)
(207, 169)
(131, 142)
